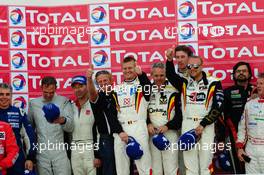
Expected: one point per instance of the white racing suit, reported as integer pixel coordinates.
(163, 110)
(132, 116)
(251, 135)
(82, 152)
(201, 105)
(51, 154)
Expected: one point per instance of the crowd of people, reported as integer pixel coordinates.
(110, 130)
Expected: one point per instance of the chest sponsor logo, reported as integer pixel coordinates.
(202, 87)
(235, 95)
(126, 101)
(197, 97)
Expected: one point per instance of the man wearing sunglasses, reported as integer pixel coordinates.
(202, 98)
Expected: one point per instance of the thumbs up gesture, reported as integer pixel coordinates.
(89, 72)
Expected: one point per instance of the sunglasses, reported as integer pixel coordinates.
(195, 66)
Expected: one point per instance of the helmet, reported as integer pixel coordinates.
(188, 140)
(51, 111)
(133, 149)
(161, 142)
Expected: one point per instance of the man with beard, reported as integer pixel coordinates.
(235, 99)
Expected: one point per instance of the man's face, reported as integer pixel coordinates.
(48, 92)
(182, 59)
(80, 90)
(194, 67)
(241, 74)
(5, 98)
(260, 87)
(158, 76)
(104, 82)
(128, 69)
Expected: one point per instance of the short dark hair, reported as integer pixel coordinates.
(128, 59)
(242, 63)
(6, 86)
(48, 80)
(185, 49)
(102, 72)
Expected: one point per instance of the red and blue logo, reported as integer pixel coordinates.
(98, 14)
(17, 38)
(187, 31)
(186, 9)
(19, 82)
(100, 58)
(16, 16)
(18, 60)
(99, 36)
(20, 102)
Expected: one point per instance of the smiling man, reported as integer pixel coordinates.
(202, 98)
(132, 116)
(24, 132)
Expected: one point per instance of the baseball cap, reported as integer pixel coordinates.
(79, 79)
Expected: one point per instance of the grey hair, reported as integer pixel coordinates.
(6, 86)
(159, 65)
(261, 75)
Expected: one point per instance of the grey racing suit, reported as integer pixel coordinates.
(51, 153)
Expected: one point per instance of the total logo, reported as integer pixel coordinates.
(188, 31)
(100, 36)
(101, 58)
(19, 82)
(20, 102)
(17, 16)
(18, 38)
(187, 9)
(99, 14)
(18, 60)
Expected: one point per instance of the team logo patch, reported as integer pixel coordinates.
(126, 101)
(163, 100)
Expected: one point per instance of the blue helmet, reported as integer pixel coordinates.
(224, 161)
(133, 149)
(51, 111)
(161, 142)
(188, 140)
(28, 172)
